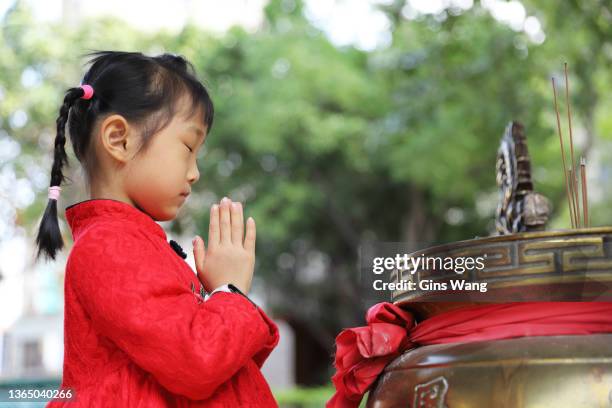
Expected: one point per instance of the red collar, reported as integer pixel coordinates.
(84, 213)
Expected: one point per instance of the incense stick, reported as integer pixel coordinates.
(569, 200)
(573, 194)
(585, 200)
(574, 180)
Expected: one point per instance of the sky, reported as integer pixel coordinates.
(346, 22)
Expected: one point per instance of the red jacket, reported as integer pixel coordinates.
(137, 334)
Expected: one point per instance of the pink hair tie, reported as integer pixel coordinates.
(54, 192)
(87, 91)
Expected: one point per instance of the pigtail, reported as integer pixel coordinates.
(49, 239)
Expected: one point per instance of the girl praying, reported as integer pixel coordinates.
(141, 329)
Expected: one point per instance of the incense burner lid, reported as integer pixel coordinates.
(563, 265)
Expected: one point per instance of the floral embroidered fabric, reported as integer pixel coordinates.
(136, 330)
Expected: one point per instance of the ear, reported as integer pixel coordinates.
(118, 138)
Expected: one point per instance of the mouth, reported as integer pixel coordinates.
(185, 195)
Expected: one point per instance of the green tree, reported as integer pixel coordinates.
(330, 147)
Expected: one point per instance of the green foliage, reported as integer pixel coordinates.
(330, 146)
(303, 397)
(300, 397)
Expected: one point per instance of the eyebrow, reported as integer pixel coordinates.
(197, 130)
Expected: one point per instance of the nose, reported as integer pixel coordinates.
(194, 173)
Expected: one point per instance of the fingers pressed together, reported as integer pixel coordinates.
(227, 225)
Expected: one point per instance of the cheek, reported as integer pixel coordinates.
(154, 177)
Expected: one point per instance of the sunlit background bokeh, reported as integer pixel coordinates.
(337, 122)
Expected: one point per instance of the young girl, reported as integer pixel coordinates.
(140, 329)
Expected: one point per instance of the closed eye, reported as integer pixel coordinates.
(190, 149)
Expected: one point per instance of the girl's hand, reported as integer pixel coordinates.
(230, 257)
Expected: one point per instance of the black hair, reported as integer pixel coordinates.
(143, 89)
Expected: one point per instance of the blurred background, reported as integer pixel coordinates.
(337, 122)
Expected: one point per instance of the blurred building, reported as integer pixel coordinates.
(32, 321)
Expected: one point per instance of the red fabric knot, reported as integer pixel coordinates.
(362, 353)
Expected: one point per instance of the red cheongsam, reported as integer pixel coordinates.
(137, 332)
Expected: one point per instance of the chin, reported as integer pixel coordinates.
(164, 215)
(161, 211)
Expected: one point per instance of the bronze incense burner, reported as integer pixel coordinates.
(523, 263)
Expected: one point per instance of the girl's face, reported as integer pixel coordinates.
(159, 179)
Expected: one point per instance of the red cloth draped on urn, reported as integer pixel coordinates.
(363, 352)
